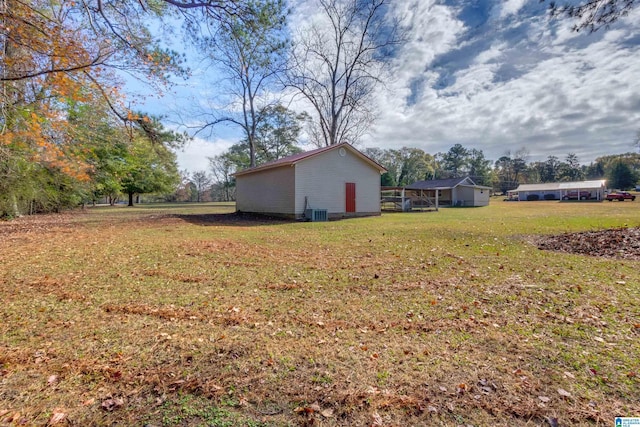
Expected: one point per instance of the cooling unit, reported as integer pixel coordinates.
(316, 215)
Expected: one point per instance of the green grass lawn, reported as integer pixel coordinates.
(166, 315)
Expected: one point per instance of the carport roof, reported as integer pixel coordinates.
(550, 186)
(582, 184)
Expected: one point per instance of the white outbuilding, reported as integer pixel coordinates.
(578, 190)
(331, 182)
(460, 191)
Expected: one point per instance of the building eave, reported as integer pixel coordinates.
(300, 157)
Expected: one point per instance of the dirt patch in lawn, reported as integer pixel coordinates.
(232, 219)
(620, 243)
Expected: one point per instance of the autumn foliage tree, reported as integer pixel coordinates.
(57, 55)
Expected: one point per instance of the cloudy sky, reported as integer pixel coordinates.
(495, 75)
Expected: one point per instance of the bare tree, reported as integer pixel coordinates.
(337, 62)
(520, 159)
(202, 181)
(250, 52)
(223, 167)
(592, 15)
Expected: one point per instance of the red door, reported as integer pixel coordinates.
(351, 196)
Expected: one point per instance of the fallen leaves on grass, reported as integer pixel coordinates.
(553, 422)
(112, 404)
(314, 408)
(211, 319)
(57, 417)
(167, 312)
(564, 393)
(621, 243)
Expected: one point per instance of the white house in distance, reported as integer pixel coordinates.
(450, 192)
(578, 190)
(331, 182)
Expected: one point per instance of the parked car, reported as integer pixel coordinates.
(573, 195)
(620, 196)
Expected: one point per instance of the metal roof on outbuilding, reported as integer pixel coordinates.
(582, 185)
(295, 158)
(550, 186)
(438, 184)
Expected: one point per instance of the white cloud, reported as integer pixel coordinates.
(495, 75)
(513, 84)
(491, 54)
(194, 156)
(511, 7)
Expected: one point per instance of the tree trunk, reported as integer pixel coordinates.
(130, 199)
(14, 206)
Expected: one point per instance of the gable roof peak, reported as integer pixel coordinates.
(295, 158)
(440, 183)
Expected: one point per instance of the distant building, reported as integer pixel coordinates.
(436, 193)
(331, 182)
(580, 190)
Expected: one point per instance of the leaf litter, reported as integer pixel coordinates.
(347, 327)
(621, 243)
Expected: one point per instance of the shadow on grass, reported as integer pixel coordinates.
(180, 205)
(235, 219)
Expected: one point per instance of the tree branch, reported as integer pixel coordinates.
(97, 61)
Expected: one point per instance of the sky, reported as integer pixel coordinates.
(495, 75)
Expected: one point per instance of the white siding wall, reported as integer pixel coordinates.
(269, 191)
(482, 197)
(470, 196)
(322, 180)
(463, 196)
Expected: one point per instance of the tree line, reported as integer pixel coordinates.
(69, 135)
(408, 165)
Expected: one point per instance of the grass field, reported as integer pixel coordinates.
(166, 315)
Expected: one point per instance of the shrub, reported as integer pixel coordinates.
(550, 197)
(532, 197)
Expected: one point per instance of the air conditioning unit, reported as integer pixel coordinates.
(316, 215)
